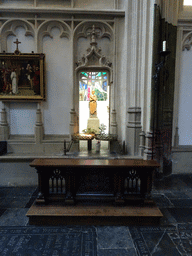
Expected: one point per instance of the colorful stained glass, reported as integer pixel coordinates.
(83, 73)
(90, 81)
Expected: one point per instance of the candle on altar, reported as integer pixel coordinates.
(164, 46)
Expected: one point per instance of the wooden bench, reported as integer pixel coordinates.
(71, 180)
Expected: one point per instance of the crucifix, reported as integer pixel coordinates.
(17, 42)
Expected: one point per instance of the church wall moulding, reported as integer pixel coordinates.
(71, 6)
(73, 29)
(187, 41)
(94, 56)
(92, 59)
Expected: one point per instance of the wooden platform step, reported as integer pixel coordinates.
(93, 215)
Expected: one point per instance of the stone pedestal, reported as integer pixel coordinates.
(93, 123)
(4, 126)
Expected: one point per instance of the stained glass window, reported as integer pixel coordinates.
(93, 81)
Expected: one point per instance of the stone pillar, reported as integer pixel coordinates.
(133, 130)
(142, 143)
(4, 126)
(177, 89)
(39, 131)
(148, 152)
(113, 122)
(73, 129)
(138, 75)
(113, 130)
(176, 137)
(73, 122)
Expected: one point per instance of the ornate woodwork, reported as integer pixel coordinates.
(114, 180)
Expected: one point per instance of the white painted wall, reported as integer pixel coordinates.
(121, 78)
(99, 4)
(185, 100)
(27, 42)
(58, 80)
(22, 118)
(56, 109)
(17, 3)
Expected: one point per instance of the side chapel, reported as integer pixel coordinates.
(134, 54)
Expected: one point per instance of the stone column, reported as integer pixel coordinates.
(178, 64)
(176, 138)
(39, 131)
(73, 129)
(113, 82)
(149, 147)
(74, 118)
(133, 130)
(73, 122)
(113, 122)
(140, 22)
(4, 126)
(142, 143)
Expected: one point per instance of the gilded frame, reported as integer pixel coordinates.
(22, 77)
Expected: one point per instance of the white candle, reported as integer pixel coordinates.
(164, 46)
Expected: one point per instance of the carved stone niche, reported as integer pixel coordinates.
(9, 28)
(187, 41)
(93, 59)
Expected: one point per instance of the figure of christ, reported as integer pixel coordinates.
(93, 105)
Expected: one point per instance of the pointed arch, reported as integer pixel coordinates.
(45, 30)
(187, 41)
(9, 28)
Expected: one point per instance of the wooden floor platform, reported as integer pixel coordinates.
(93, 215)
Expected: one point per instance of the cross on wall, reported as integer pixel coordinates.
(17, 43)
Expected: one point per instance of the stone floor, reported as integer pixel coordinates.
(173, 236)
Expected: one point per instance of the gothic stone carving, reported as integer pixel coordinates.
(94, 56)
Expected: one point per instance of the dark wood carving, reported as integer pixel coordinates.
(114, 180)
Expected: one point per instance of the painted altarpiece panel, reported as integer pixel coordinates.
(22, 77)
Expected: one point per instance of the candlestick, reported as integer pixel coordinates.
(164, 46)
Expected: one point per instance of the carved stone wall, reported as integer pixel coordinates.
(62, 31)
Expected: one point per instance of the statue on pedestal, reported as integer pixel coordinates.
(93, 121)
(93, 105)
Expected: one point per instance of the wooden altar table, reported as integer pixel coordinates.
(115, 180)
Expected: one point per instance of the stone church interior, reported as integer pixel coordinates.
(95, 127)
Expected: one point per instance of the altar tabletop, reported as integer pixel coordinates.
(94, 162)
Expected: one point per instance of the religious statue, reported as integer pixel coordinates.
(93, 105)
(14, 82)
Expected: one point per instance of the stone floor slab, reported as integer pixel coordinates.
(116, 252)
(181, 214)
(14, 217)
(176, 195)
(114, 238)
(182, 203)
(162, 201)
(14, 202)
(40, 241)
(154, 241)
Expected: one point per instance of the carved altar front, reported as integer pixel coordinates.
(113, 180)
